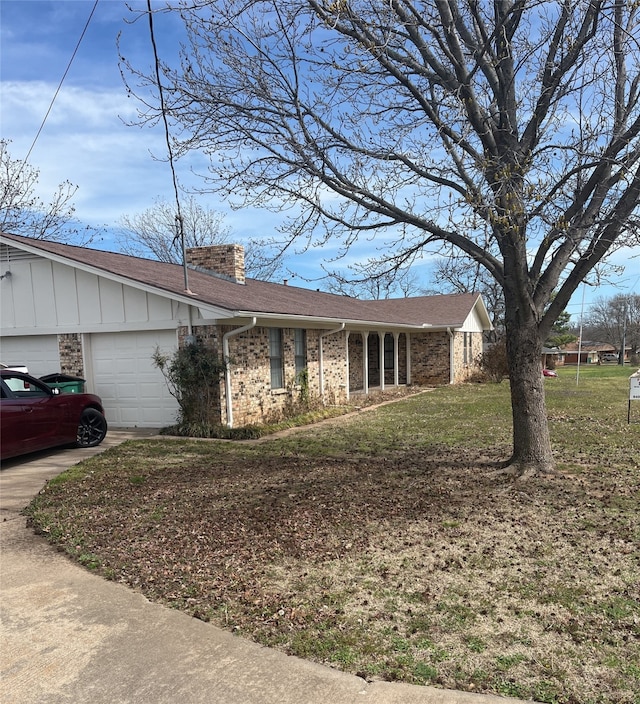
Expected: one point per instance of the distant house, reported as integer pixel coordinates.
(551, 357)
(590, 352)
(101, 315)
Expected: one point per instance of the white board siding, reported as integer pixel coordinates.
(39, 353)
(472, 323)
(134, 392)
(46, 297)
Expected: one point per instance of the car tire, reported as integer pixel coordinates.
(91, 429)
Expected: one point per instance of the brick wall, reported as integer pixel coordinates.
(70, 350)
(356, 356)
(255, 402)
(465, 363)
(430, 358)
(402, 358)
(334, 368)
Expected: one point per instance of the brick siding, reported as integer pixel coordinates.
(466, 365)
(430, 358)
(356, 357)
(70, 350)
(255, 402)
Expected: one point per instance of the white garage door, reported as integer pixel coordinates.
(39, 353)
(134, 392)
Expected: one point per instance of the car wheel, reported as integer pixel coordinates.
(91, 429)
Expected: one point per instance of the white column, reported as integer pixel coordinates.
(365, 361)
(346, 347)
(381, 358)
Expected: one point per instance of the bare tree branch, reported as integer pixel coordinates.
(22, 212)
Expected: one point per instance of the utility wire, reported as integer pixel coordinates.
(75, 51)
(179, 218)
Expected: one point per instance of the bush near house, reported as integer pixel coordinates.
(493, 363)
(193, 374)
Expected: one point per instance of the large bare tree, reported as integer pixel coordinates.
(154, 232)
(506, 128)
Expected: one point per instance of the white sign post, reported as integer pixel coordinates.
(634, 391)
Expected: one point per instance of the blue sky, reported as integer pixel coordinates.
(86, 139)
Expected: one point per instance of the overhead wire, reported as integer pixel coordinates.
(53, 100)
(167, 135)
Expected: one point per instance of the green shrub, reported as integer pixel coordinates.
(193, 375)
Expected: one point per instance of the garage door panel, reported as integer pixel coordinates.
(126, 390)
(133, 390)
(39, 353)
(150, 390)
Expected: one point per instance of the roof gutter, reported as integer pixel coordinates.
(320, 359)
(354, 324)
(227, 363)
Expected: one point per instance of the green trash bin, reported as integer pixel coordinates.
(65, 383)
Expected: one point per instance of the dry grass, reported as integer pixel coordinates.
(386, 544)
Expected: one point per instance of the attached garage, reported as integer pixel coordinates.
(38, 352)
(121, 371)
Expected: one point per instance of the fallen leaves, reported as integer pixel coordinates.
(411, 564)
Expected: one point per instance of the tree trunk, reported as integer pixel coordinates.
(531, 442)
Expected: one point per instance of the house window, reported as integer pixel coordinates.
(388, 351)
(300, 345)
(275, 358)
(468, 348)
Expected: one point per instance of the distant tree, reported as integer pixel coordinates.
(153, 233)
(561, 331)
(22, 212)
(363, 280)
(507, 129)
(605, 321)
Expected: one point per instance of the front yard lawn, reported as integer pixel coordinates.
(387, 544)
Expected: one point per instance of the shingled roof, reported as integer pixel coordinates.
(258, 298)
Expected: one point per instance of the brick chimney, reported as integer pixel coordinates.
(225, 260)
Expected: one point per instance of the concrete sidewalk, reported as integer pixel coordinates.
(70, 636)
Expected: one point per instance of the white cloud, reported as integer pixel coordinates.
(86, 141)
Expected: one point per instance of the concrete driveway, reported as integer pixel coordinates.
(69, 636)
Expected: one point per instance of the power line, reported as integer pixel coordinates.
(167, 136)
(75, 51)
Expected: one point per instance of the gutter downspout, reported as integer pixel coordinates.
(451, 357)
(320, 360)
(227, 371)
